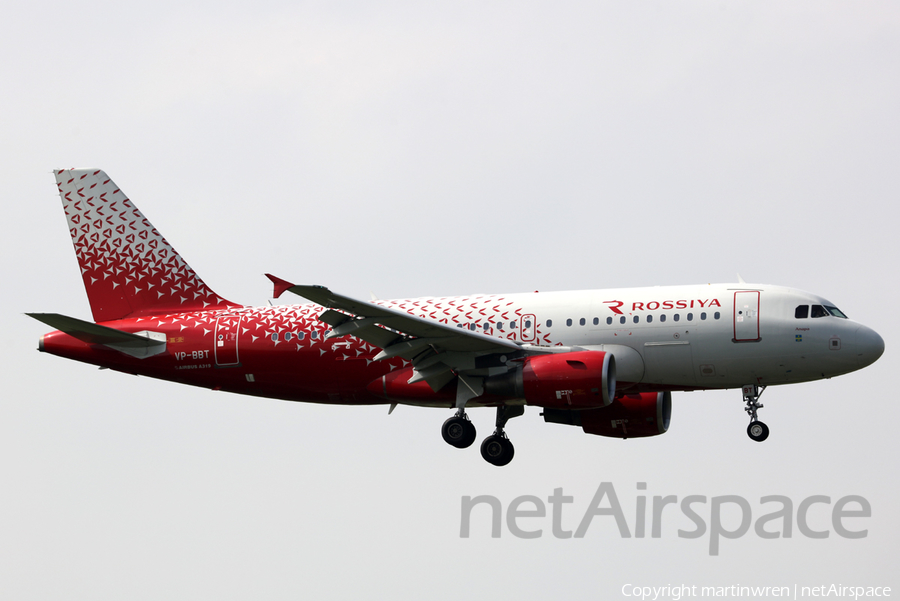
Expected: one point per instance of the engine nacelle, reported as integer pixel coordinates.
(629, 416)
(574, 380)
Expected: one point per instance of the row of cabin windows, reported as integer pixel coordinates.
(298, 335)
(649, 318)
(512, 325)
(500, 325)
(803, 311)
(596, 321)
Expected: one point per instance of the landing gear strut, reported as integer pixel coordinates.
(757, 430)
(497, 448)
(458, 431)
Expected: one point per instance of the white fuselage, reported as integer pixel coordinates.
(682, 337)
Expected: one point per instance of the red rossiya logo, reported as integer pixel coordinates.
(614, 306)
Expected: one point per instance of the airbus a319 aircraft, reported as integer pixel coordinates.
(604, 360)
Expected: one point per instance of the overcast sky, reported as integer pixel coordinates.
(439, 148)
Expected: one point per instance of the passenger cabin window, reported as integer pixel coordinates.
(703, 316)
(549, 323)
(801, 312)
(596, 321)
(717, 315)
(662, 317)
(581, 321)
(676, 317)
(275, 336)
(690, 317)
(527, 323)
(301, 335)
(609, 321)
(569, 322)
(819, 311)
(649, 319)
(622, 319)
(314, 335)
(636, 319)
(287, 336)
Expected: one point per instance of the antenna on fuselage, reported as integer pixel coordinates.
(740, 279)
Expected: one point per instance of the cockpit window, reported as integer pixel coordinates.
(819, 311)
(835, 311)
(801, 312)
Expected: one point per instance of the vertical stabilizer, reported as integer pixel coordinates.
(129, 269)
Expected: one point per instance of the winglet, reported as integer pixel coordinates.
(280, 285)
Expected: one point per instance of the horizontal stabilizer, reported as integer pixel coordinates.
(140, 344)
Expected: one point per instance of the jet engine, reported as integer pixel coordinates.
(628, 416)
(573, 380)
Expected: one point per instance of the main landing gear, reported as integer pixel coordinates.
(458, 431)
(757, 430)
(496, 449)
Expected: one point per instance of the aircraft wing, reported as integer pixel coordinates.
(361, 316)
(433, 347)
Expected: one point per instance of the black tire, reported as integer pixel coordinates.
(458, 432)
(470, 435)
(758, 431)
(497, 450)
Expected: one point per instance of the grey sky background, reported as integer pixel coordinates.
(414, 149)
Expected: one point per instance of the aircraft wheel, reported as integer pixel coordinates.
(497, 450)
(758, 431)
(458, 432)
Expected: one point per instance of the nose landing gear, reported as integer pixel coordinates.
(757, 430)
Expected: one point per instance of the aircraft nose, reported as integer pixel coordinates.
(870, 346)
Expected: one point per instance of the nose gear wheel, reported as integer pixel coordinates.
(757, 430)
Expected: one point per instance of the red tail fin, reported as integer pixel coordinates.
(128, 268)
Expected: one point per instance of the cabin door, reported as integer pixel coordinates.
(226, 340)
(746, 316)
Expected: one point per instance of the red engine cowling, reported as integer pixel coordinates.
(629, 416)
(575, 380)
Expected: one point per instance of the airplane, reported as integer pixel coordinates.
(606, 361)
